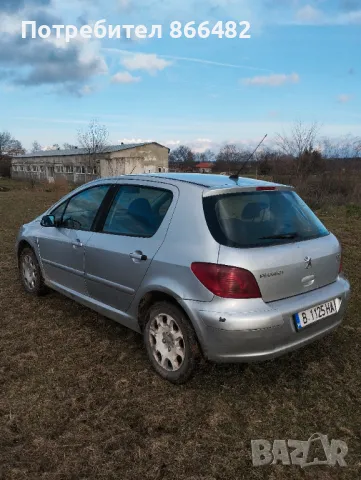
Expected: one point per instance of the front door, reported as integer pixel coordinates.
(118, 257)
(62, 247)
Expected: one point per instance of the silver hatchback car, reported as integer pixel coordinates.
(236, 270)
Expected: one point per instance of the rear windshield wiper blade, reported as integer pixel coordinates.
(281, 236)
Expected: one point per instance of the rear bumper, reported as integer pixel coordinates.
(233, 339)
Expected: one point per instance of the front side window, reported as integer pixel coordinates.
(137, 211)
(257, 219)
(58, 213)
(81, 209)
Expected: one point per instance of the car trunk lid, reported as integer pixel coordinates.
(284, 271)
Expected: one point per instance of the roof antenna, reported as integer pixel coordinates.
(235, 176)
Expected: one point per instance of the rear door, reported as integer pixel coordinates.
(276, 236)
(118, 256)
(62, 248)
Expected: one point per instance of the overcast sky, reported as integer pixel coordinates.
(301, 63)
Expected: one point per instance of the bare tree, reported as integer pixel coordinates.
(68, 146)
(301, 138)
(36, 147)
(182, 157)
(228, 158)
(9, 147)
(300, 142)
(344, 147)
(94, 140)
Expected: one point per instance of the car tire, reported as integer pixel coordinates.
(30, 273)
(171, 343)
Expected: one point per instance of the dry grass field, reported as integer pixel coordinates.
(78, 399)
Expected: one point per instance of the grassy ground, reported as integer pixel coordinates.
(78, 399)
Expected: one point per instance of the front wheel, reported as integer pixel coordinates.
(30, 273)
(171, 343)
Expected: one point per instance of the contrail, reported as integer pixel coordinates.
(187, 59)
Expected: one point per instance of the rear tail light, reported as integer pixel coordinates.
(225, 281)
(265, 189)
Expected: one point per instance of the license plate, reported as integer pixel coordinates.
(312, 315)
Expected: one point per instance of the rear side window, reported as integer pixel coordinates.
(257, 219)
(137, 211)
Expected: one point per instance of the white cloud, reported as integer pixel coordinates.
(352, 18)
(151, 63)
(173, 143)
(134, 140)
(10, 24)
(124, 4)
(344, 98)
(274, 80)
(124, 77)
(87, 90)
(309, 14)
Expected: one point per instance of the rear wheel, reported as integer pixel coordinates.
(171, 343)
(30, 273)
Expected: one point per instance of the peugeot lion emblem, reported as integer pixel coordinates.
(308, 262)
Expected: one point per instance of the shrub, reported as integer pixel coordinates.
(5, 166)
(326, 189)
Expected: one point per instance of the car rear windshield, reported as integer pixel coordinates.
(259, 219)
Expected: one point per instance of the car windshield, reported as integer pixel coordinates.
(256, 219)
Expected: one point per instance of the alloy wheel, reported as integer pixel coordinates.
(167, 342)
(30, 272)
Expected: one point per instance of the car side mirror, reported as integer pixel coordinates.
(48, 221)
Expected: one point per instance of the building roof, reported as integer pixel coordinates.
(205, 165)
(84, 151)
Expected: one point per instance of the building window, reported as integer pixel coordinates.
(159, 170)
(21, 168)
(77, 170)
(69, 169)
(28, 168)
(42, 168)
(95, 170)
(89, 170)
(82, 169)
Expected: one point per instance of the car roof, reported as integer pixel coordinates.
(210, 181)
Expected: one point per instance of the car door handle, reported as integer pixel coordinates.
(77, 243)
(138, 256)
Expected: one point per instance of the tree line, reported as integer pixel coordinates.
(301, 151)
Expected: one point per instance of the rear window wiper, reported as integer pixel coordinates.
(281, 236)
